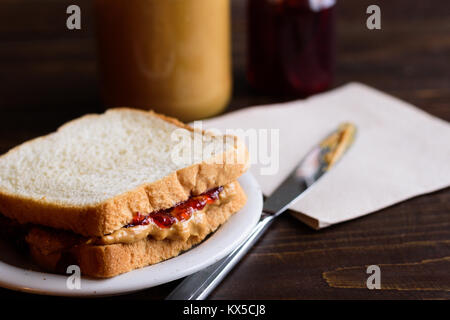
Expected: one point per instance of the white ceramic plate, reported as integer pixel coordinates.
(18, 273)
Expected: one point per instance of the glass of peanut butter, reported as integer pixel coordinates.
(172, 56)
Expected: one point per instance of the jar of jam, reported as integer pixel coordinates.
(291, 45)
(170, 56)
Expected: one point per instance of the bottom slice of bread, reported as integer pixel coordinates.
(54, 250)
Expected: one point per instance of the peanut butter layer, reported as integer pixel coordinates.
(181, 230)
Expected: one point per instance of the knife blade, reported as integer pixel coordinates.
(311, 168)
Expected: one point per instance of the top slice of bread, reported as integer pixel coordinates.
(95, 173)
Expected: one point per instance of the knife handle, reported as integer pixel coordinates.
(199, 285)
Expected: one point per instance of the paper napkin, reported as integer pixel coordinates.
(399, 151)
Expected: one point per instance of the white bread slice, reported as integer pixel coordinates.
(95, 173)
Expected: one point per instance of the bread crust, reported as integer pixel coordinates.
(49, 248)
(110, 215)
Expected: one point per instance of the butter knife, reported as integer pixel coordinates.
(313, 166)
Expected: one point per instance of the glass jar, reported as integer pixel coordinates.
(291, 45)
(169, 56)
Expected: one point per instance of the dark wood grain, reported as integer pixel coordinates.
(48, 76)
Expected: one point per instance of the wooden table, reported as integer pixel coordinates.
(48, 76)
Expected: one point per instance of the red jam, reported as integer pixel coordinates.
(290, 46)
(181, 212)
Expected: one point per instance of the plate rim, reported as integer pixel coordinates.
(255, 198)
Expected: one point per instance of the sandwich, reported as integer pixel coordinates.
(118, 191)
